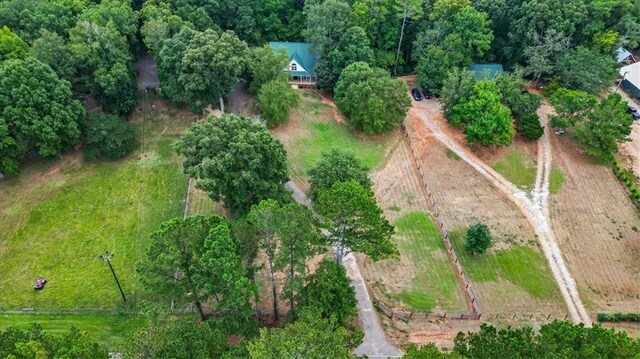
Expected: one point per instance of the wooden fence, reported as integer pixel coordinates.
(472, 299)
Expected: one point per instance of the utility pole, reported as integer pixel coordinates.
(107, 258)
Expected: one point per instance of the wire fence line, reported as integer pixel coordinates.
(472, 299)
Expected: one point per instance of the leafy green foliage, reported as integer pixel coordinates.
(211, 66)
(528, 126)
(478, 238)
(429, 351)
(618, 317)
(432, 69)
(35, 343)
(514, 93)
(587, 70)
(50, 48)
(370, 99)
(38, 109)
(353, 46)
(572, 340)
(224, 278)
(11, 45)
(299, 242)
(311, 336)
(486, 120)
(234, 160)
(329, 291)
(107, 136)
(608, 124)
(176, 338)
(571, 107)
(103, 58)
(354, 222)
(457, 87)
(325, 24)
(266, 65)
(170, 66)
(174, 252)
(337, 166)
(275, 99)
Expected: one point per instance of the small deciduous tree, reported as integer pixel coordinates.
(51, 49)
(36, 343)
(355, 222)
(311, 336)
(275, 99)
(528, 126)
(370, 99)
(235, 160)
(337, 166)
(571, 106)
(607, 124)
(329, 291)
(176, 338)
(171, 264)
(39, 111)
(478, 238)
(587, 69)
(326, 22)
(267, 65)
(211, 66)
(107, 136)
(486, 120)
(457, 87)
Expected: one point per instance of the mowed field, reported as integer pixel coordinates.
(58, 216)
(316, 127)
(513, 278)
(597, 228)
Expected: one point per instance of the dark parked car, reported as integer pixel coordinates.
(416, 94)
(634, 112)
(426, 94)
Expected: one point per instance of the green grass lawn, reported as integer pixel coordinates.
(108, 330)
(556, 180)
(521, 265)
(57, 224)
(435, 282)
(517, 169)
(323, 133)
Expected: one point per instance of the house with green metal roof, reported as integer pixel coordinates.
(488, 71)
(302, 61)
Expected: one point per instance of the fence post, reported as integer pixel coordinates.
(531, 317)
(514, 316)
(548, 316)
(565, 317)
(445, 315)
(461, 315)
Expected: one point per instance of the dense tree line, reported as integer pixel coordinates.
(56, 56)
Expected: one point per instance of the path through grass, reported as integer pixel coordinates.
(556, 180)
(55, 224)
(518, 169)
(435, 283)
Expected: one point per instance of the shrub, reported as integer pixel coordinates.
(478, 238)
(619, 317)
(528, 126)
(107, 136)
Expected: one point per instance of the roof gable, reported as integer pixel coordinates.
(300, 52)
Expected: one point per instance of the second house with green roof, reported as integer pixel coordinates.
(302, 61)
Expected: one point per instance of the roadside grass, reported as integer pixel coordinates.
(435, 282)
(322, 133)
(452, 155)
(108, 330)
(514, 167)
(55, 224)
(556, 180)
(521, 265)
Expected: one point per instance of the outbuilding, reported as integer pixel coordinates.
(631, 79)
(486, 71)
(302, 61)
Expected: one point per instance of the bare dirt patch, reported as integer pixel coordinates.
(594, 221)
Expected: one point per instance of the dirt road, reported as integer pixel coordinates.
(533, 205)
(375, 344)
